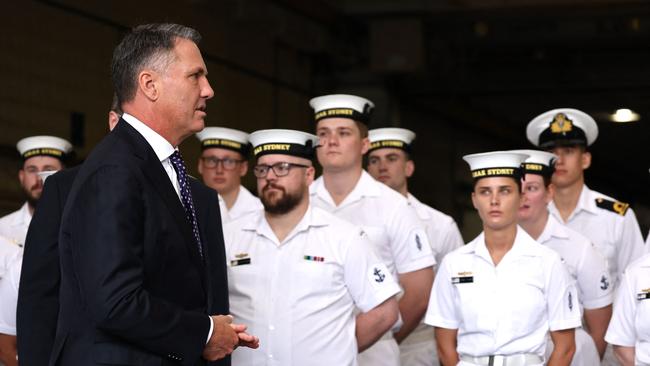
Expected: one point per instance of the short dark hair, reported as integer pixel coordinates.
(148, 45)
(115, 105)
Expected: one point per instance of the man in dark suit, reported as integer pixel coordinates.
(141, 265)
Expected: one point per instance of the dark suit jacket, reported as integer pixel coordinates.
(38, 293)
(134, 288)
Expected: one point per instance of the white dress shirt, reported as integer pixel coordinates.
(245, 203)
(299, 295)
(630, 324)
(14, 225)
(617, 237)
(9, 296)
(505, 309)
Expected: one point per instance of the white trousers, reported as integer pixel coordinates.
(383, 353)
(419, 348)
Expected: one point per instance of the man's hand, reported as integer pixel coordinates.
(224, 338)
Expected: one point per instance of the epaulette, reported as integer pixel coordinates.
(614, 206)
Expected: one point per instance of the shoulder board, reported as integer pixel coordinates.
(614, 206)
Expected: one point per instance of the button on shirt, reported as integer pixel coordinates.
(630, 324)
(584, 263)
(244, 204)
(618, 238)
(394, 229)
(14, 226)
(505, 309)
(441, 229)
(299, 295)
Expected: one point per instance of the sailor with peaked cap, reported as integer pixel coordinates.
(223, 163)
(389, 161)
(496, 298)
(42, 156)
(609, 224)
(350, 193)
(297, 273)
(584, 263)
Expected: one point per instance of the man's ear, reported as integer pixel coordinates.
(365, 145)
(21, 176)
(148, 84)
(410, 168)
(585, 160)
(243, 168)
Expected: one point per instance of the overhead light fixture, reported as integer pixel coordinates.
(624, 115)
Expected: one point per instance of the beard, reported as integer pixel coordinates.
(279, 203)
(32, 194)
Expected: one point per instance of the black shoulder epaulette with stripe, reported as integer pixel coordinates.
(614, 206)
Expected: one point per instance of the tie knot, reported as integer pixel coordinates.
(177, 161)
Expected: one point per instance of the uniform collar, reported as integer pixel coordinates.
(366, 186)
(23, 216)
(314, 217)
(552, 229)
(160, 146)
(422, 212)
(586, 202)
(245, 201)
(521, 247)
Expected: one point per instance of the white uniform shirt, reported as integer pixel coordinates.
(245, 203)
(441, 229)
(618, 238)
(9, 297)
(630, 324)
(299, 295)
(395, 231)
(8, 252)
(14, 226)
(584, 263)
(507, 309)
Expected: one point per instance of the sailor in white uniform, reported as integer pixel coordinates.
(495, 299)
(8, 300)
(609, 224)
(350, 193)
(389, 161)
(42, 156)
(584, 263)
(629, 330)
(223, 163)
(297, 273)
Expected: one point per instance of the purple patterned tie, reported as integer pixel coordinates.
(186, 195)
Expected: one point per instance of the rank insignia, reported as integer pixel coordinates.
(379, 277)
(643, 295)
(614, 206)
(241, 255)
(313, 258)
(418, 242)
(570, 301)
(604, 283)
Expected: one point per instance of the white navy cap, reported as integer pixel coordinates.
(495, 164)
(399, 138)
(286, 142)
(562, 127)
(538, 162)
(342, 106)
(224, 138)
(44, 145)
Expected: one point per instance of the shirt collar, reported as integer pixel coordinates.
(418, 206)
(23, 217)
(521, 247)
(313, 217)
(586, 202)
(160, 146)
(553, 228)
(366, 186)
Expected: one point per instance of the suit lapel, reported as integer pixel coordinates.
(155, 173)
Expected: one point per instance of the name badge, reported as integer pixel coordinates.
(239, 262)
(643, 296)
(464, 279)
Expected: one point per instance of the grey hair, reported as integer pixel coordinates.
(146, 46)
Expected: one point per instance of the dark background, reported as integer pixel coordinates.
(465, 75)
